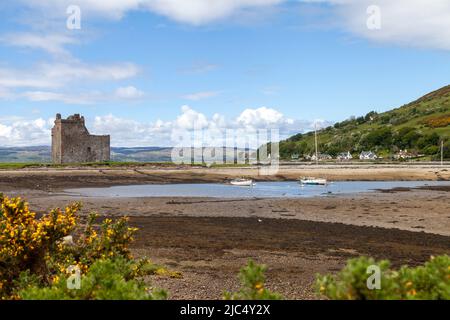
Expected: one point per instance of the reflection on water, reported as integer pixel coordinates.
(260, 190)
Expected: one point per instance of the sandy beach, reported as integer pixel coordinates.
(209, 239)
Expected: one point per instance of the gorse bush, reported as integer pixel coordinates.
(109, 240)
(428, 282)
(37, 256)
(438, 122)
(26, 243)
(252, 285)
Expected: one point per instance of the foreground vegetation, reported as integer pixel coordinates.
(428, 282)
(60, 256)
(253, 287)
(39, 256)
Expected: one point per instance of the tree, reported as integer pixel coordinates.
(447, 149)
(380, 138)
(296, 137)
(371, 115)
(407, 137)
(428, 140)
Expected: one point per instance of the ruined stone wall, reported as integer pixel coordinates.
(72, 143)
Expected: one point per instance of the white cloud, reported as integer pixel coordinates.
(418, 23)
(114, 9)
(46, 75)
(122, 93)
(127, 132)
(124, 132)
(25, 133)
(23, 78)
(40, 82)
(199, 12)
(63, 78)
(200, 95)
(5, 131)
(43, 96)
(6, 93)
(191, 119)
(129, 92)
(262, 118)
(81, 71)
(194, 12)
(51, 43)
(422, 23)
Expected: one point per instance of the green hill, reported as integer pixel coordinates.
(418, 126)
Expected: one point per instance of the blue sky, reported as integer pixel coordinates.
(139, 68)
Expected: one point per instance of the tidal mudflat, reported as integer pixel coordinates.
(208, 239)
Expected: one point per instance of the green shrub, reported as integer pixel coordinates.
(431, 281)
(381, 138)
(431, 150)
(105, 280)
(37, 255)
(252, 285)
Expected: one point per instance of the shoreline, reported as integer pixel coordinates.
(423, 209)
(58, 179)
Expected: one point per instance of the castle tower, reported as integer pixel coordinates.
(72, 143)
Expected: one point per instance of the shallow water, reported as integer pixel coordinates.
(290, 189)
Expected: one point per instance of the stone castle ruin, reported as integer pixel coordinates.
(72, 143)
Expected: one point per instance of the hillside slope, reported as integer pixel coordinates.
(418, 126)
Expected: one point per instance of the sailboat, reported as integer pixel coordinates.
(242, 182)
(313, 180)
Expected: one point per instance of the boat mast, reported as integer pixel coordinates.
(442, 153)
(315, 139)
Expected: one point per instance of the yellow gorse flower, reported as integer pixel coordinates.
(412, 292)
(25, 239)
(22, 236)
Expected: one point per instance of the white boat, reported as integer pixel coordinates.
(313, 181)
(242, 182)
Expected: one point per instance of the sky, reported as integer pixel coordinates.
(142, 69)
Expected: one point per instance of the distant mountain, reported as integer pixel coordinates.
(418, 126)
(141, 154)
(42, 154)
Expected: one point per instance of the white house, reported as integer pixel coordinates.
(344, 156)
(367, 155)
(322, 156)
(403, 154)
